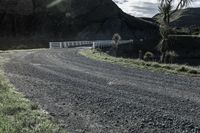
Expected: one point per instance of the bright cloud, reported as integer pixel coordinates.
(143, 8)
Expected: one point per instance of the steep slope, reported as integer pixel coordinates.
(70, 19)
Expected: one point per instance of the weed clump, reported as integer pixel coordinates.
(193, 71)
(34, 106)
(148, 56)
(166, 67)
(155, 65)
(182, 69)
(170, 56)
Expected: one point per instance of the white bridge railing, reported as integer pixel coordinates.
(109, 43)
(94, 44)
(69, 44)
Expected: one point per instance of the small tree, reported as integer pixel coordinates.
(116, 39)
(166, 10)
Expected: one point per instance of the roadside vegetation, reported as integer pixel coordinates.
(19, 115)
(167, 8)
(167, 47)
(137, 63)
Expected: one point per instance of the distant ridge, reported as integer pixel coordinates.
(184, 18)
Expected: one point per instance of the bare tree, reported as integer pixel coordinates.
(167, 8)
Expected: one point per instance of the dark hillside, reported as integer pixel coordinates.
(188, 17)
(185, 18)
(51, 20)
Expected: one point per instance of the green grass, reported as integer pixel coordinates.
(136, 63)
(19, 115)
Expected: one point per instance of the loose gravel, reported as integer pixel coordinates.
(89, 96)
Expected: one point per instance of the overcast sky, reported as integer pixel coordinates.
(143, 8)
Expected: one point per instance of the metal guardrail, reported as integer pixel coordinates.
(109, 43)
(55, 45)
(69, 44)
(94, 44)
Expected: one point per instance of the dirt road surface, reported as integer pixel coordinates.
(89, 96)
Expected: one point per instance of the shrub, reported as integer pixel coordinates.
(182, 69)
(148, 64)
(98, 49)
(170, 56)
(195, 33)
(34, 106)
(193, 71)
(93, 52)
(148, 56)
(166, 67)
(156, 65)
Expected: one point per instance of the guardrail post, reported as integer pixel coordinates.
(60, 44)
(50, 45)
(93, 45)
(65, 45)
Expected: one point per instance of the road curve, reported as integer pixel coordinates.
(89, 96)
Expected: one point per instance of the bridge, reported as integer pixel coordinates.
(93, 44)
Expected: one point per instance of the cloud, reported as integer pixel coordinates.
(143, 8)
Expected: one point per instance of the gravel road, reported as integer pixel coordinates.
(89, 96)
